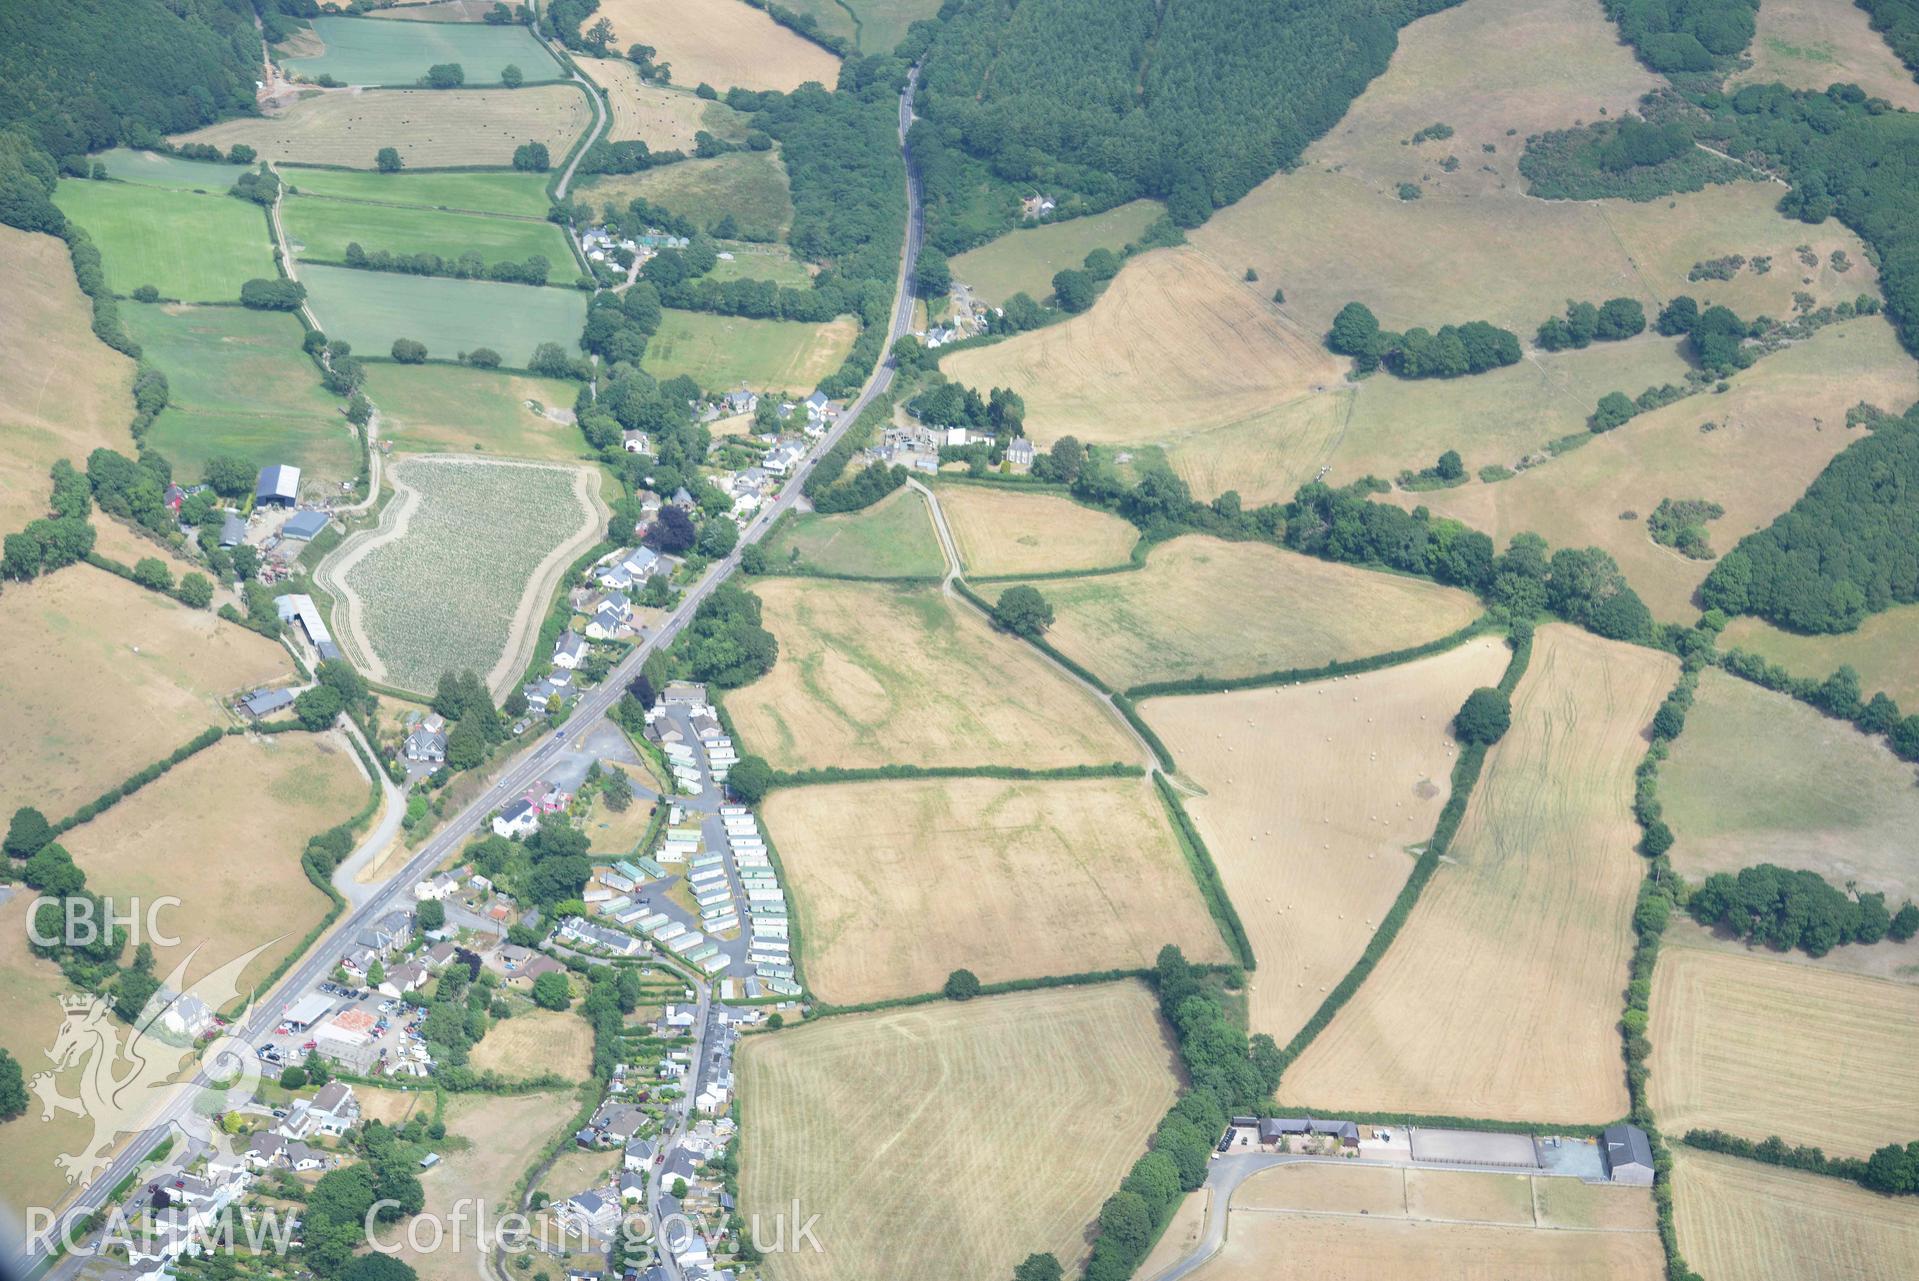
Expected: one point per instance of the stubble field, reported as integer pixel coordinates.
(1002, 531)
(238, 383)
(63, 394)
(223, 832)
(1759, 777)
(535, 1043)
(730, 351)
(1880, 651)
(1741, 1219)
(429, 127)
(893, 538)
(464, 558)
(721, 42)
(1756, 1046)
(83, 709)
(875, 675)
(1311, 798)
(1203, 607)
(1005, 1120)
(1024, 260)
(186, 245)
(1501, 995)
(901, 883)
(665, 117)
(1773, 432)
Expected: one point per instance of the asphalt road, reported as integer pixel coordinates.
(529, 767)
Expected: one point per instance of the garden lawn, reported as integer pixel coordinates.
(238, 383)
(768, 355)
(372, 53)
(323, 229)
(372, 308)
(193, 247)
(500, 193)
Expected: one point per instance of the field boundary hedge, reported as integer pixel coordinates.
(119, 792)
(1199, 860)
(1089, 978)
(1465, 777)
(829, 774)
(1304, 675)
(1161, 752)
(1040, 643)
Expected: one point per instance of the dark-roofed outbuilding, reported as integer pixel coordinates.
(278, 485)
(1628, 1155)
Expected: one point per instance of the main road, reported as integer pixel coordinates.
(528, 768)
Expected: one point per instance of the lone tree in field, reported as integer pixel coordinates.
(1023, 612)
(1073, 289)
(961, 985)
(1485, 717)
(511, 76)
(387, 159)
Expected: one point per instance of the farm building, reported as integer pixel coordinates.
(301, 606)
(1273, 1129)
(264, 702)
(305, 525)
(233, 531)
(278, 486)
(1628, 1155)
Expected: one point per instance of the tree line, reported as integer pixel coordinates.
(1786, 909)
(467, 266)
(1455, 350)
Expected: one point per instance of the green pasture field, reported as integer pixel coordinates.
(725, 351)
(438, 408)
(891, 539)
(1026, 259)
(323, 229)
(238, 383)
(494, 193)
(1881, 651)
(762, 262)
(372, 308)
(192, 247)
(877, 26)
(750, 185)
(152, 169)
(377, 53)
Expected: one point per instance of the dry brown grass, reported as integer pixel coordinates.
(1500, 996)
(1174, 340)
(30, 1017)
(1004, 1121)
(1181, 1235)
(1326, 1220)
(429, 127)
(1775, 430)
(1000, 531)
(83, 709)
(1311, 796)
(1760, 777)
(1809, 44)
(1760, 1223)
(440, 11)
(721, 42)
(1203, 607)
(872, 675)
(223, 832)
(535, 1043)
(898, 884)
(504, 1134)
(392, 1107)
(63, 394)
(1755, 1046)
(662, 117)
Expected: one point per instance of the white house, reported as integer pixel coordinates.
(569, 650)
(332, 1111)
(403, 979)
(517, 819)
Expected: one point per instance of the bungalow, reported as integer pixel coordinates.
(440, 955)
(1274, 1129)
(533, 969)
(438, 888)
(569, 650)
(265, 1149)
(262, 703)
(518, 819)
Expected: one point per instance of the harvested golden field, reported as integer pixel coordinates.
(223, 832)
(1357, 1223)
(1175, 341)
(1773, 432)
(504, 1135)
(1312, 797)
(1756, 1045)
(1501, 995)
(1203, 607)
(431, 128)
(872, 675)
(720, 42)
(898, 884)
(30, 1018)
(63, 393)
(536, 1042)
(1809, 44)
(1006, 1120)
(1003, 531)
(1880, 651)
(664, 118)
(84, 709)
(1761, 1223)
(1759, 777)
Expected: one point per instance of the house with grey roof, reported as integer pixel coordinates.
(233, 530)
(569, 650)
(264, 702)
(1628, 1155)
(1020, 452)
